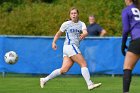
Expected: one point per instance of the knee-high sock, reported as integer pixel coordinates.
(126, 80)
(54, 74)
(86, 75)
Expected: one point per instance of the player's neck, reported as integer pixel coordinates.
(75, 21)
(130, 3)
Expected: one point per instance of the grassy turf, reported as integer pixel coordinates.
(64, 85)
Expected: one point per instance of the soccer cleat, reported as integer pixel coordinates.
(92, 86)
(42, 82)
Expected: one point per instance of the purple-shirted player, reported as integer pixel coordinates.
(131, 25)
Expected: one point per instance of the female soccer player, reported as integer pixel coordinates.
(75, 31)
(131, 24)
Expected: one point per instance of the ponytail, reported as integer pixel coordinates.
(137, 3)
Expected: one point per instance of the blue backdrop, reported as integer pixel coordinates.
(103, 55)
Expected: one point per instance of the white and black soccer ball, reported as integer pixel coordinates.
(11, 57)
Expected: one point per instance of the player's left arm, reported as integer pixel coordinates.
(84, 34)
(84, 31)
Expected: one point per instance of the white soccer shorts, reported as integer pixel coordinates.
(70, 50)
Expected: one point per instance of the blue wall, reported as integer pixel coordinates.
(103, 55)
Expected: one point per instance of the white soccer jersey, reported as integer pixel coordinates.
(72, 31)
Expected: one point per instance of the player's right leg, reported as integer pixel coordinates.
(67, 63)
(129, 63)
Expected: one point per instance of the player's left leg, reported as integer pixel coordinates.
(129, 63)
(84, 70)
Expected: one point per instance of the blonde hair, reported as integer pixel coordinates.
(73, 8)
(137, 3)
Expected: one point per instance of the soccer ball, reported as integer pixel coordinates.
(11, 57)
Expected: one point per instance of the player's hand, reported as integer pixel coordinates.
(82, 36)
(54, 46)
(123, 48)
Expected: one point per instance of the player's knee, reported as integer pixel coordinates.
(83, 65)
(63, 71)
(128, 67)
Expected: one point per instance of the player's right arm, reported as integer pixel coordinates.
(56, 37)
(62, 29)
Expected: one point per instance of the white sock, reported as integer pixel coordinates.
(86, 75)
(54, 74)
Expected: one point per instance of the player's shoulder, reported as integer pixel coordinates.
(81, 22)
(125, 11)
(67, 22)
(128, 8)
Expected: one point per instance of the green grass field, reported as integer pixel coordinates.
(66, 84)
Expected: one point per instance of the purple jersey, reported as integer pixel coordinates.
(131, 22)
